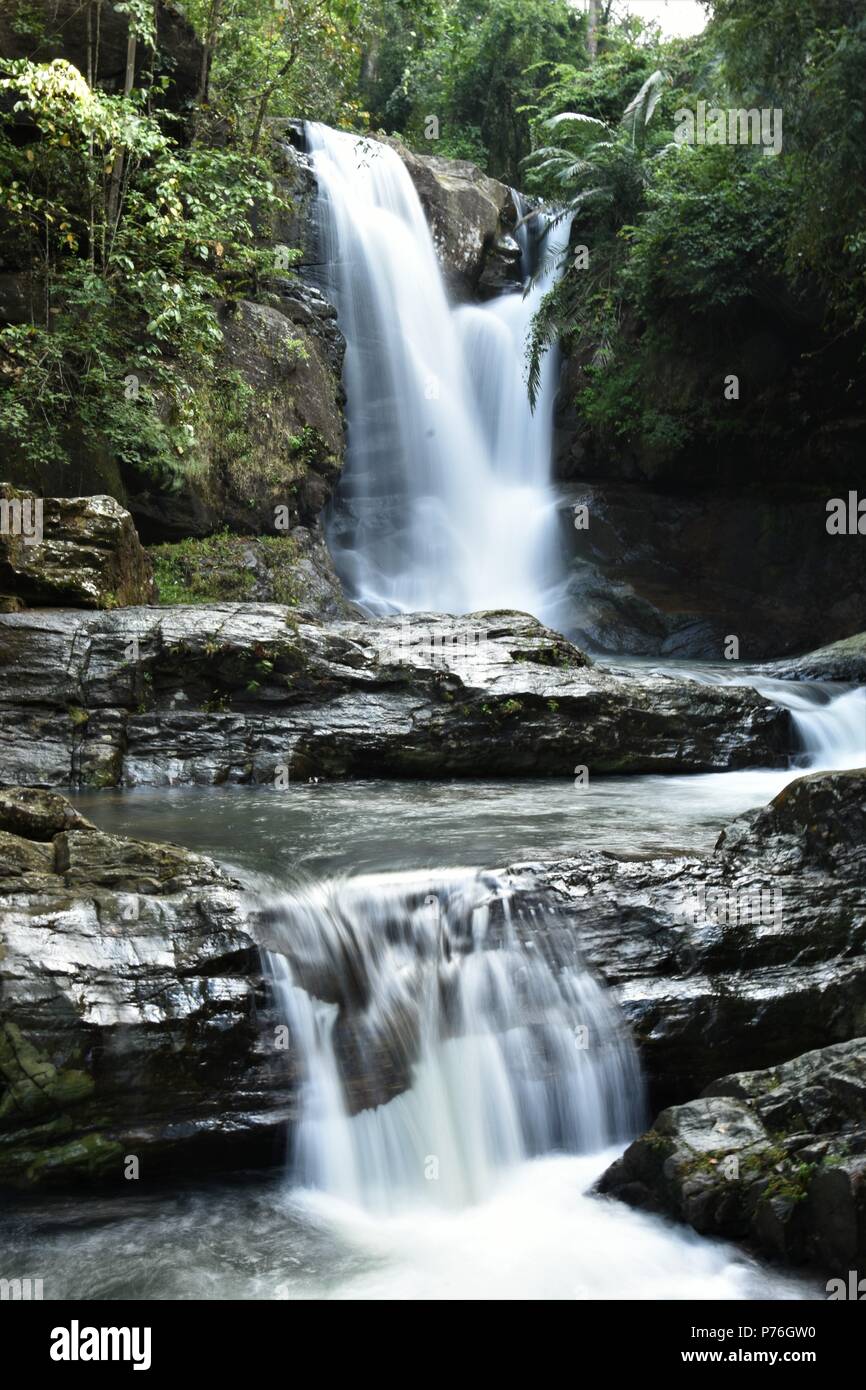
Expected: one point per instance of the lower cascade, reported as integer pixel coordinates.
(460, 1000)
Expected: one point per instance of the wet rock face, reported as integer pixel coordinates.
(672, 571)
(245, 693)
(134, 1019)
(62, 551)
(776, 1157)
(817, 824)
(739, 959)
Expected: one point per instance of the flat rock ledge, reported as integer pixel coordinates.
(776, 1158)
(244, 692)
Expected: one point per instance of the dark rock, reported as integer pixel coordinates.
(308, 308)
(232, 692)
(738, 959)
(470, 217)
(38, 815)
(277, 438)
(69, 550)
(754, 1159)
(841, 661)
(676, 571)
(502, 271)
(297, 226)
(817, 822)
(43, 32)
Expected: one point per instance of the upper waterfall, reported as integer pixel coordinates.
(446, 502)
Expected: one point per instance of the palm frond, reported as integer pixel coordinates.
(640, 109)
(574, 116)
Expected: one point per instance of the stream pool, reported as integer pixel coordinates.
(536, 1233)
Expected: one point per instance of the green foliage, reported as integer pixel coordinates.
(688, 247)
(214, 569)
(128, 238)
(280, 58)
(478, 68)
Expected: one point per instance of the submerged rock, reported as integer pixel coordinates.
(776, 1157)
(57, 551)
(133, 1013)
(237, 692)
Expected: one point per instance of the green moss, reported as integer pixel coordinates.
(34, 1085)
(88, 1155)
(214, 569)
(107, 774)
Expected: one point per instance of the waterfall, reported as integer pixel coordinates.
(830, 723)
(446, 502)
(462, 1006)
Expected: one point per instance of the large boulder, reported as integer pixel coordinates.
(235, 692)
(57, 551)
(471, 218)
(296, 569)
(840, 661)
(738, 959)
(776, 1157)
(135, 1019)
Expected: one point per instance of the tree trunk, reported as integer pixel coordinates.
(117, 171)
(209, 49)
(592, 32)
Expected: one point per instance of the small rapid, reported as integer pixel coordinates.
(457, 994)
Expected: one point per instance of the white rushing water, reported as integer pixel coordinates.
(446, 501)
(505, 1049)
(521, 1084)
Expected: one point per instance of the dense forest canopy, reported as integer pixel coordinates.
(135, 201)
